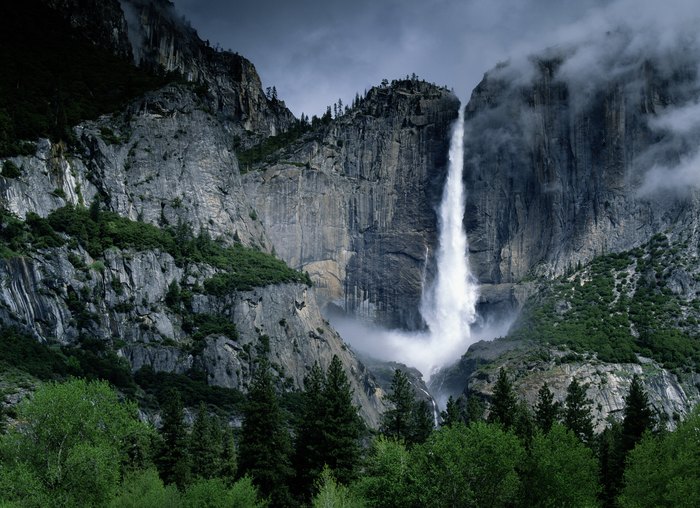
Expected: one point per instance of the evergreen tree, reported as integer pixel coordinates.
(229, 459)
(342, 425)
(503, 403)
(329, 428)
(264, 446)
(409, 420)
(397, 420)
(422, 423)
(546, 409)
(610, 473)
(206, 445)
(475, 409)
(638, 417)
(452, 413)
(577, 413)
(173, 461)
(308, 451)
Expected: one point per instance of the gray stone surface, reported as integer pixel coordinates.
(355, 206)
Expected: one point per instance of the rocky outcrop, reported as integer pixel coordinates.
(163, 41)
(354, 205)
(165, 160)
(120, 300)
(607, 384)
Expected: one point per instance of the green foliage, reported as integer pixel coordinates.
(206, 445)
(264, 448)
(247, 269)
(55, 77)
(214, 493)
(503, 402)
(477, 466)
(192, 388)
(73, 440)
(408, 420)
(328, 429)
(332, 494)
(560, 471)
(597, 308)
(546, 409)
(452, 413)
(47, 362)
(386, 482)
(260, 152)
(143, 488)
(577, 412)
(10, 170)
(665, 470)
(173, 459)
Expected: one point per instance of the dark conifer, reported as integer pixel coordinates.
(342, 425)
(264, 447)
(206, 445)
(396, 421)
(452, 413)
(422, 422)
(308, 450)
(546, 409)
(577, 413)
(173, 462)
(638, 417)
(503, 403)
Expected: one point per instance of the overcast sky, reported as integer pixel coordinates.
(316, 51)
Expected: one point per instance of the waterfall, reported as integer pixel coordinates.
(449, 305)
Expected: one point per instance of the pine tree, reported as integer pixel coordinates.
(422, 423)
(503, 403)
(638, 418)
(229, 459)
(452, 413)
(264, 447)
(475, 409)
(342, 425)
(206, 445)
(173, 461)
(577, 413)
(546, 409)
(329, 428)
(396, 421)
(308, 451)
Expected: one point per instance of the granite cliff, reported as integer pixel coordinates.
(354, 203)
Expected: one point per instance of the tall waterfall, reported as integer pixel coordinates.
(449, 304)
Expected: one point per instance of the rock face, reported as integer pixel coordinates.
(122, 303)
(607, 384)
(557, 173)
(355, 205)
(167, 159)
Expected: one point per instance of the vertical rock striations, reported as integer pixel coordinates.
(554, 170)
(354, 204)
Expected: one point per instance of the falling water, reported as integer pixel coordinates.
(449, 302)
(449, 306)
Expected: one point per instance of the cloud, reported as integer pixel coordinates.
(315, 52)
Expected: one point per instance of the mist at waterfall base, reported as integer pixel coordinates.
(449, 302)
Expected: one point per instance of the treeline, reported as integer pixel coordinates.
(77, 444)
